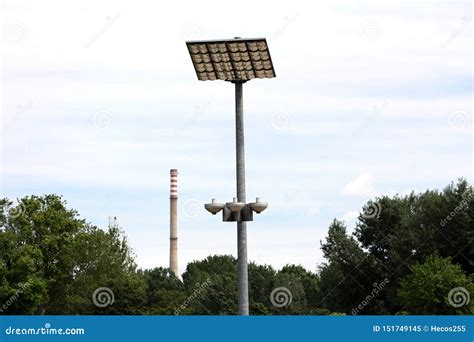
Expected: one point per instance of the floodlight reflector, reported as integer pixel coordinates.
(231, 60)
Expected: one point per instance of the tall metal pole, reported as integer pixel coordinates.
(242, 266)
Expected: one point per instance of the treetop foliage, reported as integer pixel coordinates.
(407, 255)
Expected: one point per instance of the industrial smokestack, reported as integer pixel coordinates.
(174, 221)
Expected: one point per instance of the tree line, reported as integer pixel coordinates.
(408, 254)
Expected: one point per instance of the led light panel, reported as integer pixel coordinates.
(236, 60)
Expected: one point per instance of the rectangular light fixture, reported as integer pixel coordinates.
(235, 60)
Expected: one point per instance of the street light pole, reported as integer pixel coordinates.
(238, 61)
(242, 266)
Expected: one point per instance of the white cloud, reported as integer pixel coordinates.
(363, 185)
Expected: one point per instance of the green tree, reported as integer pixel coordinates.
(349, 274)
(165, 291)
(304, 287)
(62, 260)
(436, 287)
(37, 239)
(455, 236)
(405, 230)
(104, 260)
(218, 273)
(288, 296)
(261, 279)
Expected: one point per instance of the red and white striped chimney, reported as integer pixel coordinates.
(174, 221)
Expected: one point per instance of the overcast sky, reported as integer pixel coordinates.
(100, 100)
